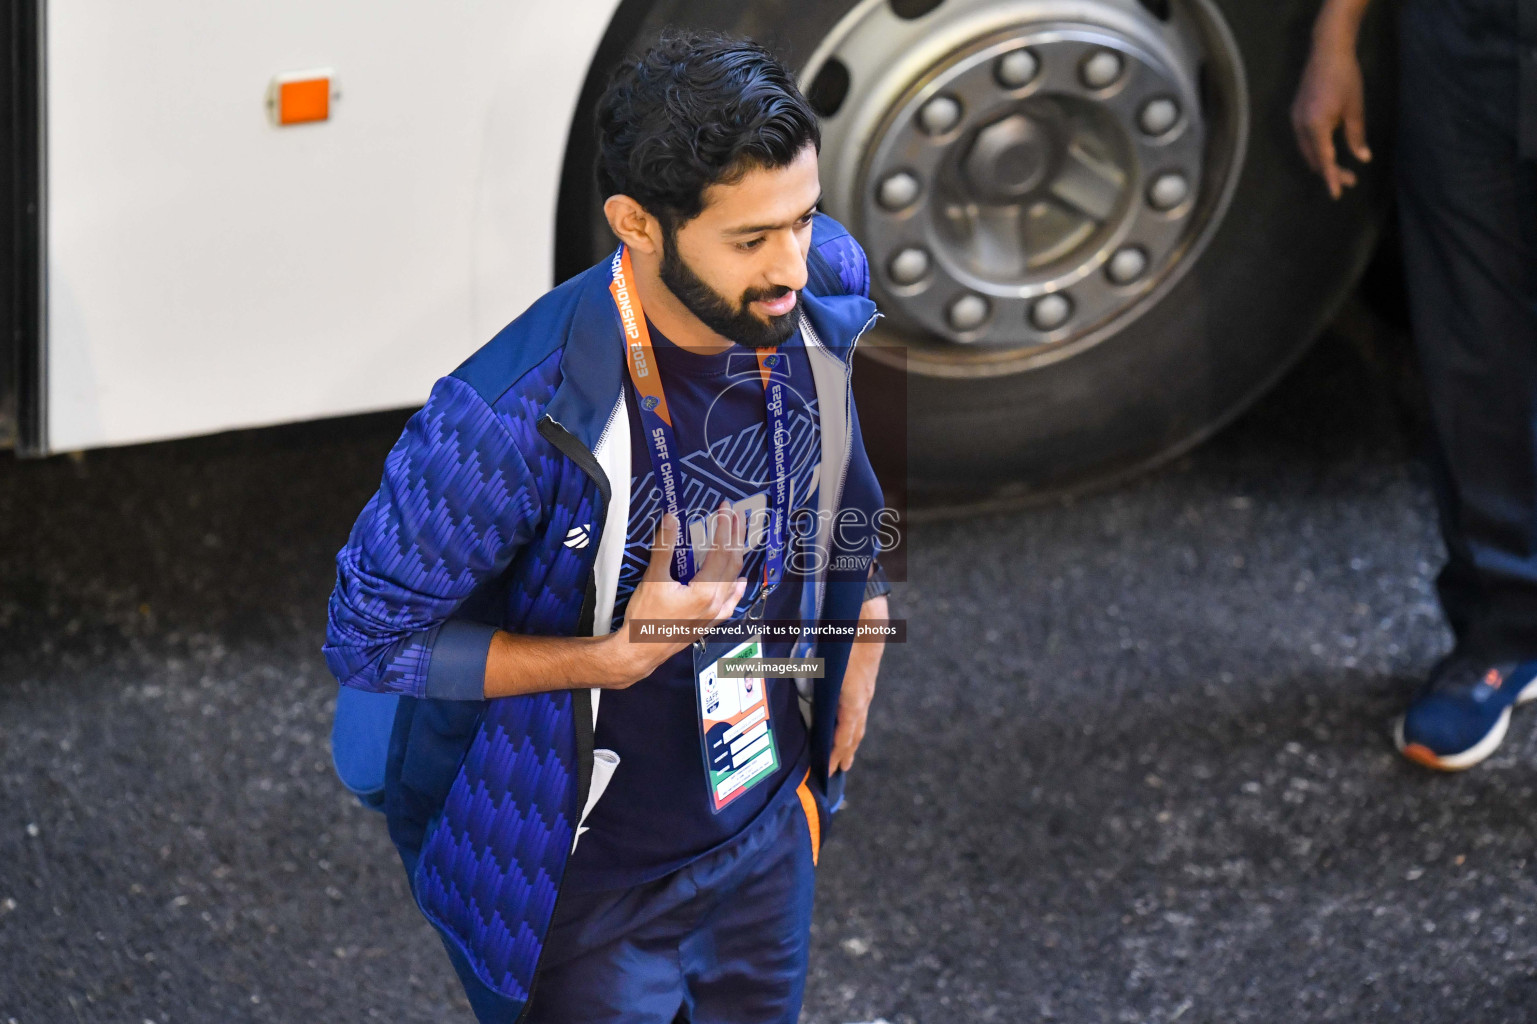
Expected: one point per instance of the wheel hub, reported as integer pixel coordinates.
(1009, 158)
(1022, 174)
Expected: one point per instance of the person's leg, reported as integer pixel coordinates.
(1468, 212)
(612, 958)
(746, 961)
(722, 939)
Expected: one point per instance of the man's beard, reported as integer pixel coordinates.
(737, 323)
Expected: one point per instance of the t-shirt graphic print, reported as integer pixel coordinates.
(654, 816)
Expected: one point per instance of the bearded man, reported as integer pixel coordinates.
(600, 826)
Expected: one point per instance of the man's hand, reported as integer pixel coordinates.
(858, 689)
(709, 597)
(518, 664)
(1331, 94)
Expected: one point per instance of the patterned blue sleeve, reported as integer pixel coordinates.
(455, 505)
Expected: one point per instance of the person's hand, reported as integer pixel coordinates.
(708, 598)
(858, 689)
(1330, 95)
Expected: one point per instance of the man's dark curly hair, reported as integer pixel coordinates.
(695, 110)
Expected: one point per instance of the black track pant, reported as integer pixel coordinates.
(1467, 183)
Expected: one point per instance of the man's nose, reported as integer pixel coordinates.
(789, 267)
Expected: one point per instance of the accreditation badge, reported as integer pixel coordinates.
(736, 736)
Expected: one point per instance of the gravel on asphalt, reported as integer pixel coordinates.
(1131, 765)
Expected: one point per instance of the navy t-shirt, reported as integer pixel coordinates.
(655, 815)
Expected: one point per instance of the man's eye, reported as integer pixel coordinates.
(749, 245)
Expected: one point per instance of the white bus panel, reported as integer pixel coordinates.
(207, 269)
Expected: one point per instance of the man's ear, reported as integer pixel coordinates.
(630, 222)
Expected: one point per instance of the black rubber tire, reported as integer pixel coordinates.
(1275, 270)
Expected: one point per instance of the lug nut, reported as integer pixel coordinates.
(939, 115)
(909, 266)
(1168, 191)
(1126, 265)
(1051, 311)
(898, 191)
(1101, 69)
(1016, 69)
(1158, 115)
(968, 312)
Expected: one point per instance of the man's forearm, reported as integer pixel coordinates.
(868, 652)
(518, 664)
(1339, 23)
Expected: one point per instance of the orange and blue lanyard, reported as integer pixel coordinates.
(656, 422)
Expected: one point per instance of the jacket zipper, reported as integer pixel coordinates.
(568, 445)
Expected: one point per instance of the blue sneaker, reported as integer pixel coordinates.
(1462, 715)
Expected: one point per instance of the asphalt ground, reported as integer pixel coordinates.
(1132, 764)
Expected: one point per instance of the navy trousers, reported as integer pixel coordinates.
(720, 941)
(1467, 183)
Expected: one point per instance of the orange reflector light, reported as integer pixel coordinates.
(300, 98)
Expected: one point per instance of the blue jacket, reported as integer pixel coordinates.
(504, 506)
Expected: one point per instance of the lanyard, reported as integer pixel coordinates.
(656, 422)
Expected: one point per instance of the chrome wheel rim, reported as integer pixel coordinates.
(1027, 177)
